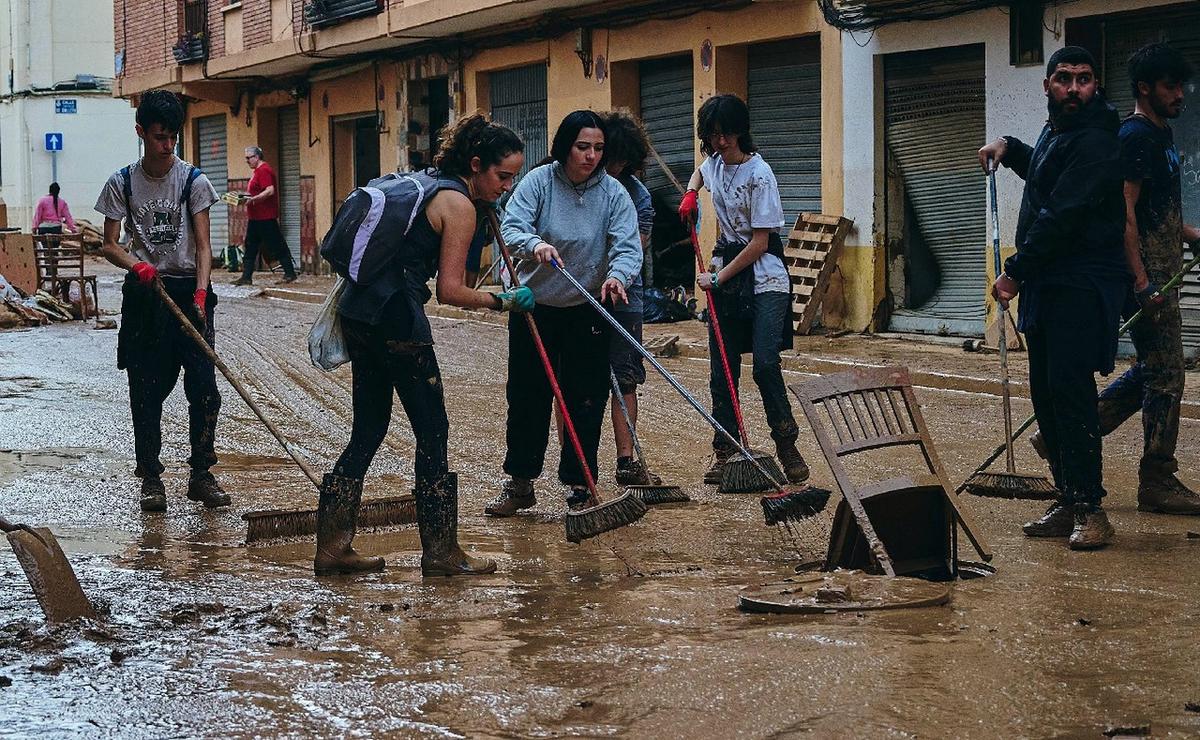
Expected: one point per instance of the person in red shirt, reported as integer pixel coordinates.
(262, 208)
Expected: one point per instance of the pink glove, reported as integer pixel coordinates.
(144, 271)
(689, 209)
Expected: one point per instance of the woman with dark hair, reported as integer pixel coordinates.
(51, 214)
(571, 212)
(390, 343)
(751, 285)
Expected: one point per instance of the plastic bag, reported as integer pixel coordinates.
(326, 345)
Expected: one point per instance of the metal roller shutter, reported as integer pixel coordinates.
(213, 162)
(667, 113)
(1180, 28)
(934, 111)
(289, 178)
(784, 95)
(518, 99)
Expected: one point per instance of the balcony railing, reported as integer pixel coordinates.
(320, 13)
(192, 43)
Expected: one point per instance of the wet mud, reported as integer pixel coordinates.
(204, 636)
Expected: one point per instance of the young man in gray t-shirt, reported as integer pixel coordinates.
(163, 202)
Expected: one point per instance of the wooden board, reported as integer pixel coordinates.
(811, 257)
(17, 262)
(842, 590)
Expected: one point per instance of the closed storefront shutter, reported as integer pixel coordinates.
(666, 102)
(1180, 27)
(784, 95)
(934, 111)
(289, 178)
(518, 99)
(213, 162)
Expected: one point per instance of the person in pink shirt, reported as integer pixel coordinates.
(52, 213)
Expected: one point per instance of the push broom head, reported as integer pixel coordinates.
(376, 513)
(740, 474)
(794, 506)
(612, 514)
(1011, 485)
(653, 495)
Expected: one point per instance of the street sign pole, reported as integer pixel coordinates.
(54, 166)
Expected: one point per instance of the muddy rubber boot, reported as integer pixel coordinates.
(203, 487)
(337, 517)
(1058, 521)
(1167, 496)
(633, 472)
(579, 499)
(793, 463)
(243, 281)
(154, 495)
(1038, 443)
(437, 520)
(517, 494)
(1091, 529)
(712, 476)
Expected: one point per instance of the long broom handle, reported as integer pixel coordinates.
(1002, 312)
(637, 446)
(190, 330)
(494, 223)
(666, 375)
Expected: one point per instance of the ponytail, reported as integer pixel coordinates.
(474, 136)
(54, 190)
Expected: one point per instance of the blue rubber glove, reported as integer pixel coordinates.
(519, 300)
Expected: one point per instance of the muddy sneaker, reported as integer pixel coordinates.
(286, 279)
(154, 495)
(516, 494)
(1056, 522)
(1092, 530)
(1167, 496)
(580, 499)
(244, 281)
(717, 461)
(793, 463)
(1038, 443)
(203, 487)
(631, 472)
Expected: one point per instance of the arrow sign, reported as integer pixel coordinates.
(54, 141)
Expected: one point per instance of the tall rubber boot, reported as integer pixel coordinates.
(337, 518)
(437, 520)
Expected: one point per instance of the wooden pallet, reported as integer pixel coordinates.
(810, 256)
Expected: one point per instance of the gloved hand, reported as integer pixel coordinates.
(1151, 298)
(199, 317)
(519, 300)
(689, 208)
(144, 271)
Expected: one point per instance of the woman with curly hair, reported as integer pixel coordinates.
(390, 343)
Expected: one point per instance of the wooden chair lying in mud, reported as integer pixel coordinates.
(906, 525)
(60, 262)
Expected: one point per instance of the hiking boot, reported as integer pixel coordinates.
(243, 280)
(286, 279)
(580, 499)
(517, 494)
(203, 487)
(154, 495)
(437, 520)
(1038, 442)
(633, 472)
(793, 463)
(337, 518)
(1091, 529)
(1056, 522)
(1167, 496)
(717, 461)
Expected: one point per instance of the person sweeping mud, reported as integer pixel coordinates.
(572, 212)
(751, 284)
(1070, 271)
(390, 343)
(164, 204)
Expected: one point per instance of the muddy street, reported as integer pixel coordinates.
(208, 637)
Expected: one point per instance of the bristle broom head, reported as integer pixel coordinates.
(612, 514)
(739, 474)
(1025, 486)
(654, 495)
(794, 506)
(377, 513)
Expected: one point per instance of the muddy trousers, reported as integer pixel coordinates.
(1154, 386)
(1062, 359)
(762, 336)
(577, 341)
(382, 366)
(266, 231)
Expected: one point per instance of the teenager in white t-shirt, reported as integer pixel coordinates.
(748, 283)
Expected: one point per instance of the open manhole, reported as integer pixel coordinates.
(841, 590)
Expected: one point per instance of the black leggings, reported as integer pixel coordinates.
(381, 364)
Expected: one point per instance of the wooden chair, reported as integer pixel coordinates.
(900, 526)
(59, 259)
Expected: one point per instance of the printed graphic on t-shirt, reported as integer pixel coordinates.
(158, 225)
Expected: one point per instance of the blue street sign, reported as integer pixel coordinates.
(54, 141)
(65, 105)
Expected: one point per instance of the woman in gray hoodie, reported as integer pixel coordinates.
(572, 212)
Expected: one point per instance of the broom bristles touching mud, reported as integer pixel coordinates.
(741, 474)
(794, 506)
(1027, 486)
(612, 514)
(660, 494)
(378, 513)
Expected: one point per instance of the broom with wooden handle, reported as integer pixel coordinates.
(651, 493)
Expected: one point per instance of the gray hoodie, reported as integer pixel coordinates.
(594, 227)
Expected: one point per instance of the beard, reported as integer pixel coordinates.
(1165, 110)
(1059, 115)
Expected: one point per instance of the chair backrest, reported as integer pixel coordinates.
(58, 256)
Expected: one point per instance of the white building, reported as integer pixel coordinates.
(57, 58)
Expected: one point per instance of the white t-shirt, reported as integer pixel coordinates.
(162, 234)
(746, 197)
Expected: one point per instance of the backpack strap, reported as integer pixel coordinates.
(185, 199)
(127, 191)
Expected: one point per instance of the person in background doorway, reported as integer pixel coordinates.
(262, 227)
(51, 214)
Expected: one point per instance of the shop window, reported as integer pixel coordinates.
(1025, 32)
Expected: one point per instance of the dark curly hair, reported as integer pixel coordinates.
(726, 114)
(625, 141)
(160, 106)
(474, 135)
(1155, 62)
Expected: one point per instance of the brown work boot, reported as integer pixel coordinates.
(337, 518)
(286, 279)
(517, 494)
(793, 463)
(712, 476)
(1038, 442)
(633, 472)
(437, 520)
(244, 281)
(1091, 529)
(203, 487)
(1056, 522)
(1167, 495)
(154, 495)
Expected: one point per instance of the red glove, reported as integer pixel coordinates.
(689, 209)
(145, 272)
(200, 298)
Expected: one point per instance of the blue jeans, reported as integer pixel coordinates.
(761, 335)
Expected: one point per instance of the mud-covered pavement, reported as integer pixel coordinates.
(206, 637)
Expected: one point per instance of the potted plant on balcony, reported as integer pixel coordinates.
(189, 48)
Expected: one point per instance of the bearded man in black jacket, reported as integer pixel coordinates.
(1070, 272)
